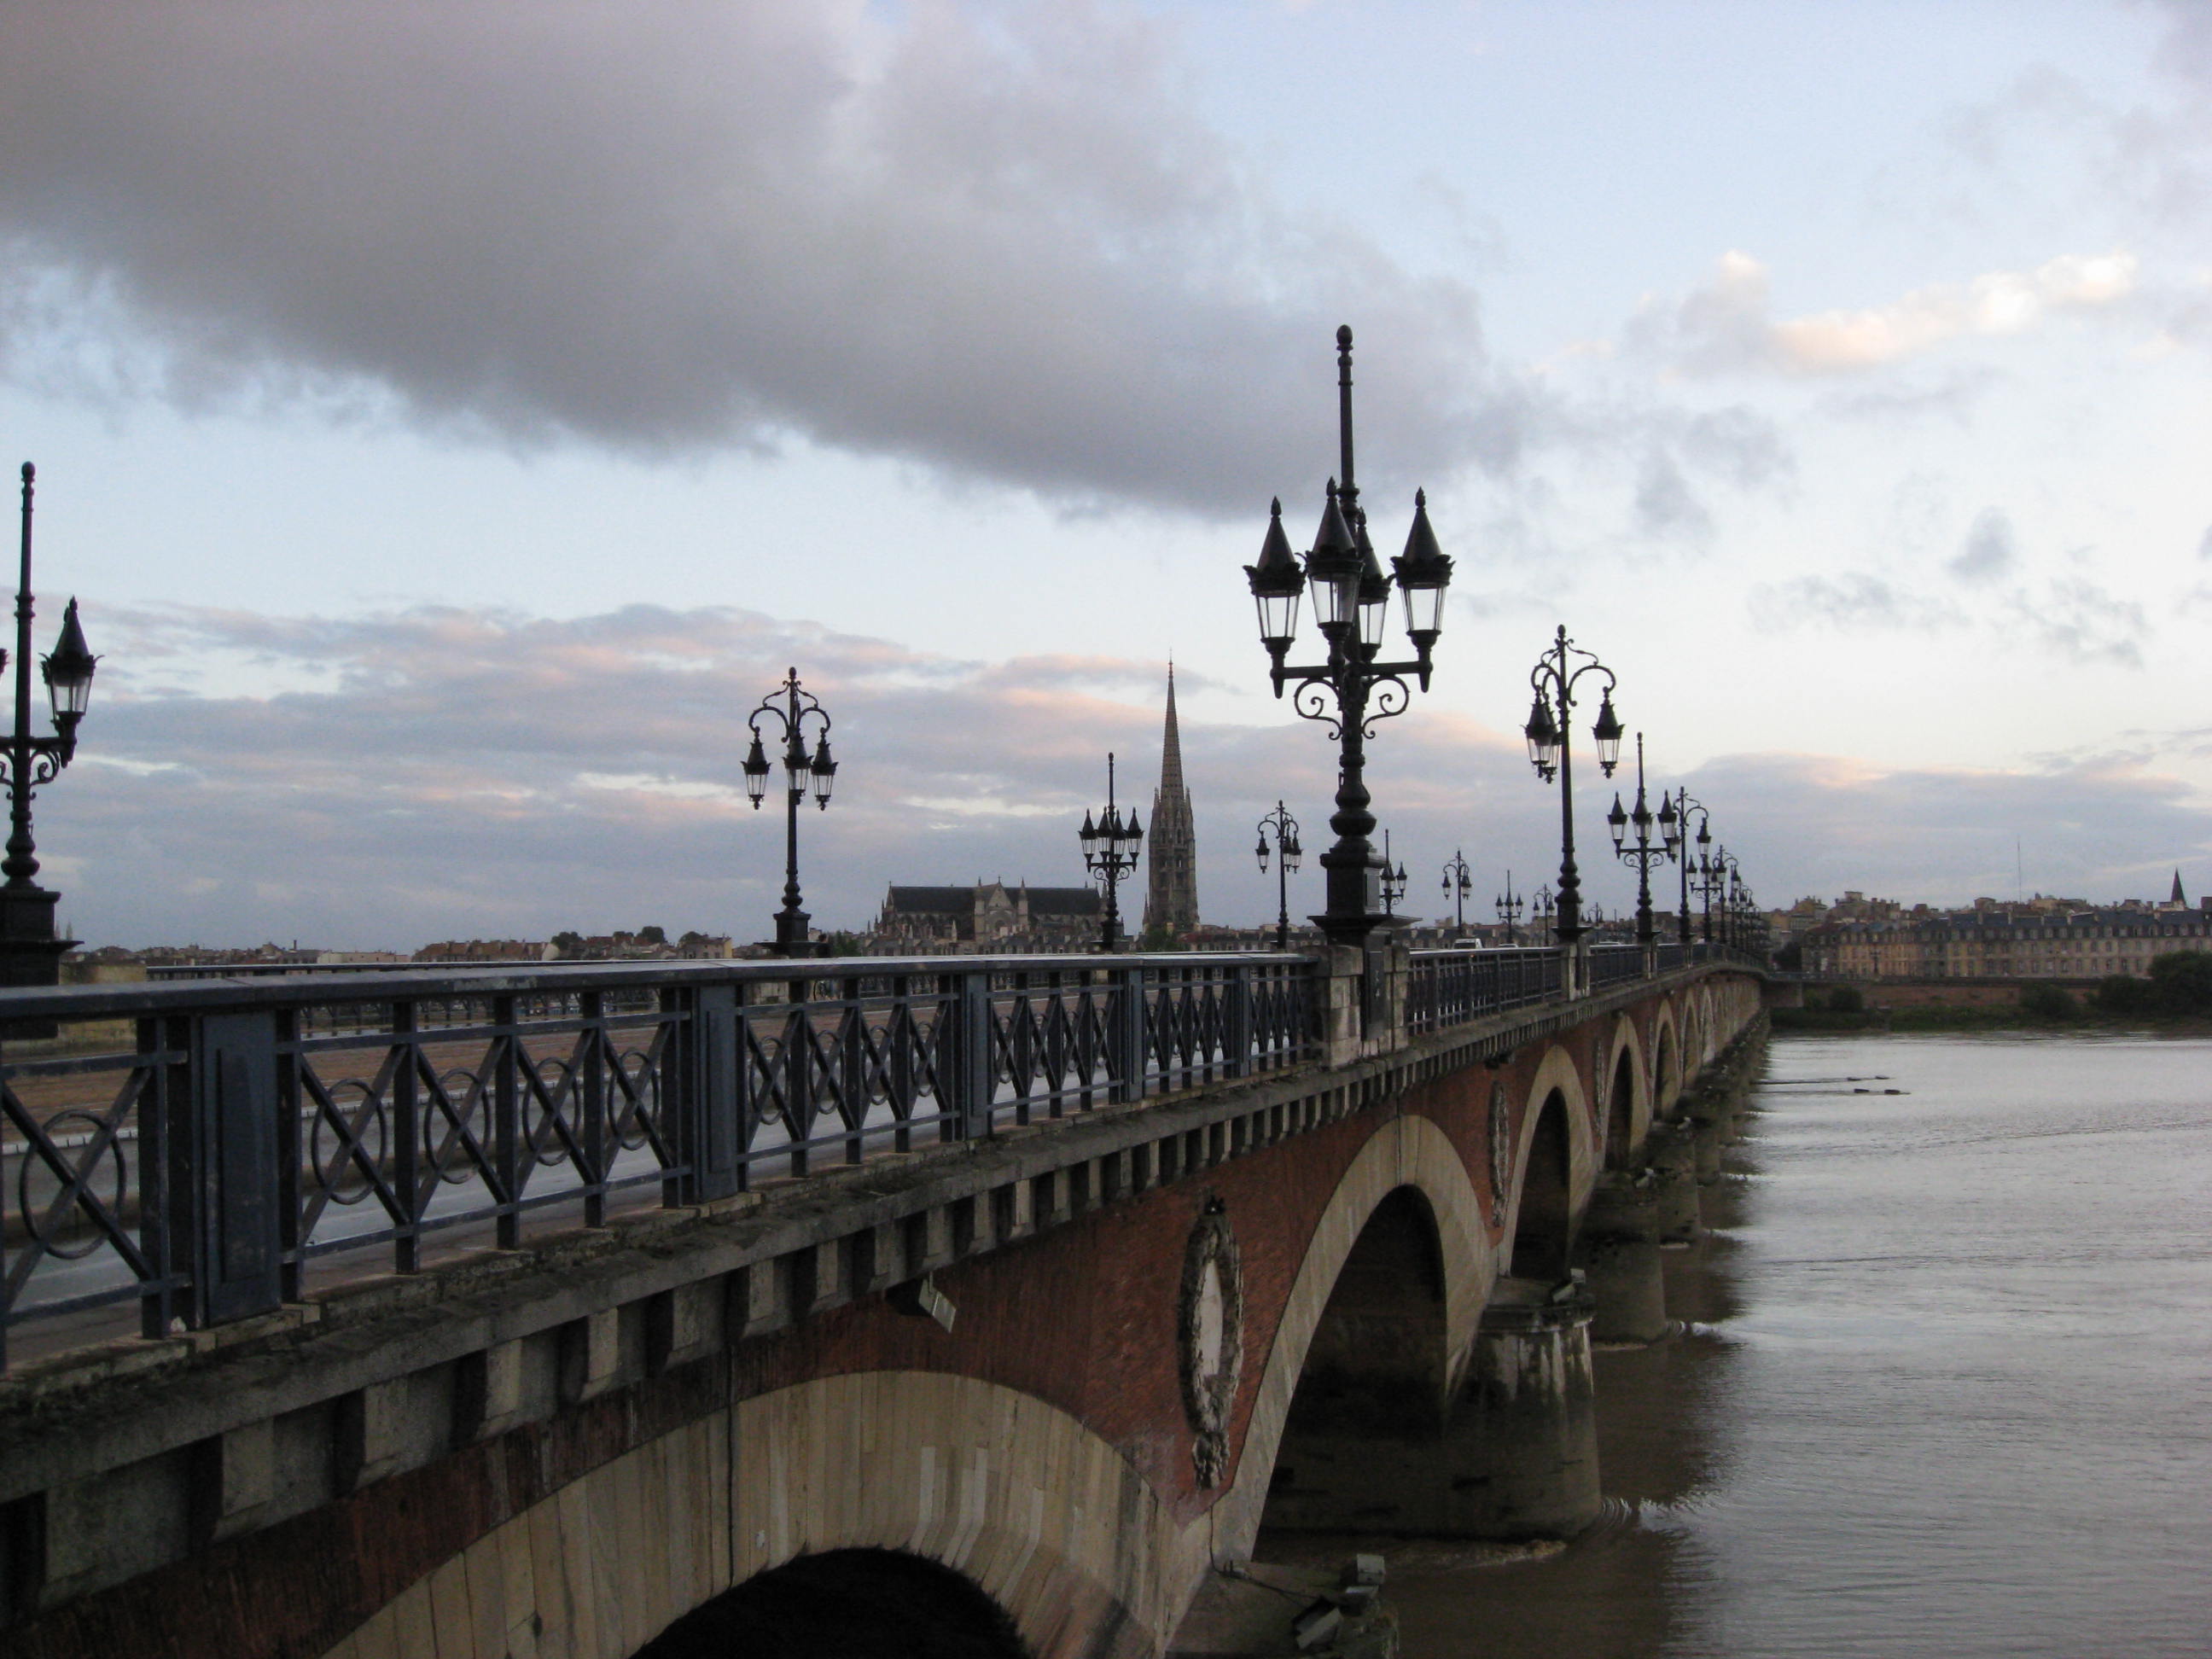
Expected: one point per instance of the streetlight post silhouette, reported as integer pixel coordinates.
(1459, 882)
(795, 709)
(1644, 855)
(1542, 909)
(1508, 904)
(1110, 852)
(30, 948)
(1394, 881)
(1551, 751)
(1284, 829)
(1684, 806)
(1711, 882)
(1351, 690)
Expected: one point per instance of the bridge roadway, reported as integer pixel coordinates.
(567, 1312)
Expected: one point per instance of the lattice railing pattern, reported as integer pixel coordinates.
(258, 1137)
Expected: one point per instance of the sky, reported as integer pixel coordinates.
(453, 419)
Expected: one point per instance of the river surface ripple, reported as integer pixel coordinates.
(1949, 1390)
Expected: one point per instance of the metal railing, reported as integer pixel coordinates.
(259, 1130)
(209, 1150)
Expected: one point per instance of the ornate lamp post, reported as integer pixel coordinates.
(1284, 830)
(1459, 882)
(1510, 903)
(1543, 910)
(793, 708)
(1394, 881)
(1551, 716)
(30, 953)
(1110, 852)
(1351, 690)
(1689, 861)
(1644, 855)
(1711, 882)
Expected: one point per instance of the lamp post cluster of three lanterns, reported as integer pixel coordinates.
(1351, 688)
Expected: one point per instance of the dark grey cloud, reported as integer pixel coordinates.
(994, 241)
(1990, 551)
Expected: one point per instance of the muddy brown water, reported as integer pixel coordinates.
(1946, 1391)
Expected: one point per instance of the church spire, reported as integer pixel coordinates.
(1171, 895)
(2177, 901)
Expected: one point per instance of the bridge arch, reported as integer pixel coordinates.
(1556, 1154)
(1627, 1093)
(1666, 1055)
(851, 1604)
(1409, 1152)
(1043, 1518)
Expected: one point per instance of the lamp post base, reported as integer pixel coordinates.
(30, 954)
(791, 934)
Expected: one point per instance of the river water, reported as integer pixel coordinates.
(1948, 1392)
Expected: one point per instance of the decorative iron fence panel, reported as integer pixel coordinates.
(264, 1135)
(1451, 988)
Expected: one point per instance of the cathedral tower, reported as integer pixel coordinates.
(1171, 896)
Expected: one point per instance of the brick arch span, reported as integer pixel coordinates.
(1405, 1151)
(1668, 1061)
(1624, 1040)
(1045, 1517)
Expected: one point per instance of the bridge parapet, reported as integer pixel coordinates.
(118, 1460)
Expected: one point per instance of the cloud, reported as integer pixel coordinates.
(1990, 550)
(991, 240)
(2100, 829)
(2082, 622)
(1855, 599)
(1726, 327)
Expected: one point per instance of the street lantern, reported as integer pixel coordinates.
(1508, 905)
(30, 950)
(1351, 690)
(1284, 830)
(1459, 882)
(794, 711)
(1110, 852)
(1558, 671)
(1644, 855)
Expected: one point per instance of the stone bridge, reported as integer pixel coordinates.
(589, 1312)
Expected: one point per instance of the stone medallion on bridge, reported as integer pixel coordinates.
(1211, 1333)
(1501, 1153)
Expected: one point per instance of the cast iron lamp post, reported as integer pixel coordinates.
(30, 952)
(1459, 882)
(1508, 904)
(1284, 829)
(1644, 855)
(1551, 718)
(1684, 806)
(794, 708)
(1711, 882)
(1542, 911)
(1394, 881)
(1110, 852)
(1351, 598)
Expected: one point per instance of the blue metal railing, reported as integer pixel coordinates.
(256, 1127)
(207, 1150)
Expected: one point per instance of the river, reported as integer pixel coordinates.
(1947, 1390)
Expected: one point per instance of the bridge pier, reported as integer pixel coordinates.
(1671, 1148)
(1618, 1253)
(1522, 1454)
